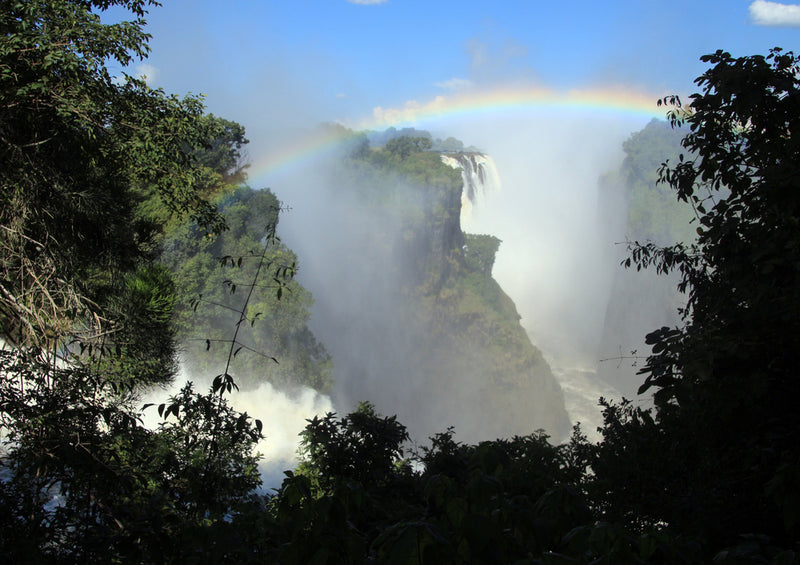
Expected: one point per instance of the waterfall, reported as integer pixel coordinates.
(479, 176)
(542, 262)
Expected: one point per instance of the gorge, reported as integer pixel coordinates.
(408, 309)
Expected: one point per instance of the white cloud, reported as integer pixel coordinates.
(409, 113)
(773, 14)
(147, 73)
(366, 2)
(455, 84)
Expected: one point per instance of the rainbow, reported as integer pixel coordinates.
(609, 103)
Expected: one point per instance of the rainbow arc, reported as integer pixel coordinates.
(607, 104)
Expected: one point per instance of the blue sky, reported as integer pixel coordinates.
(277, 64)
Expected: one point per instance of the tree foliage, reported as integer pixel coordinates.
(78, 147)
(354, 499)
(84, 481)
(722, 443)
(92, 167)
(362, 447)
(89, 164)
(405, 146)
(480, 251)
(214, 277)
(654, 214)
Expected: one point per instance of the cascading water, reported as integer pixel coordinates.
(480, 177)
(405, 326)
(481, 182)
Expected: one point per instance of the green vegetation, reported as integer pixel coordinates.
(214, 276)
(642, 300)
(86, 310)
(480, 251)
(716, 456)
(468, 344)
(79, 151)
(654, 214)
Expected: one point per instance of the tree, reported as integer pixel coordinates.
(405, 146)
(363, 446)
(722, 456)
(653, 211)
(501, 501)
(79, 148)
(85, 308)
(215, 275)
(225, 153)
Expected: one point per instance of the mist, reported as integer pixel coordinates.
(558, 231)
(560, 227)
(349, 261)
(562, 224)
(283, 414)
(561, 215)
(281, 68)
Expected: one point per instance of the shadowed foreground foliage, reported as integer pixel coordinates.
(711, 473)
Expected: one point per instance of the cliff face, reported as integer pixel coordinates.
(410, 313)
(642, 301)
(477, 346)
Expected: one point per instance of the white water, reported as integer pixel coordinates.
(480, 177)
(558, 230)
(283, 415)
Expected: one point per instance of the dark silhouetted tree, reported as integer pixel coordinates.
(719, 457)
